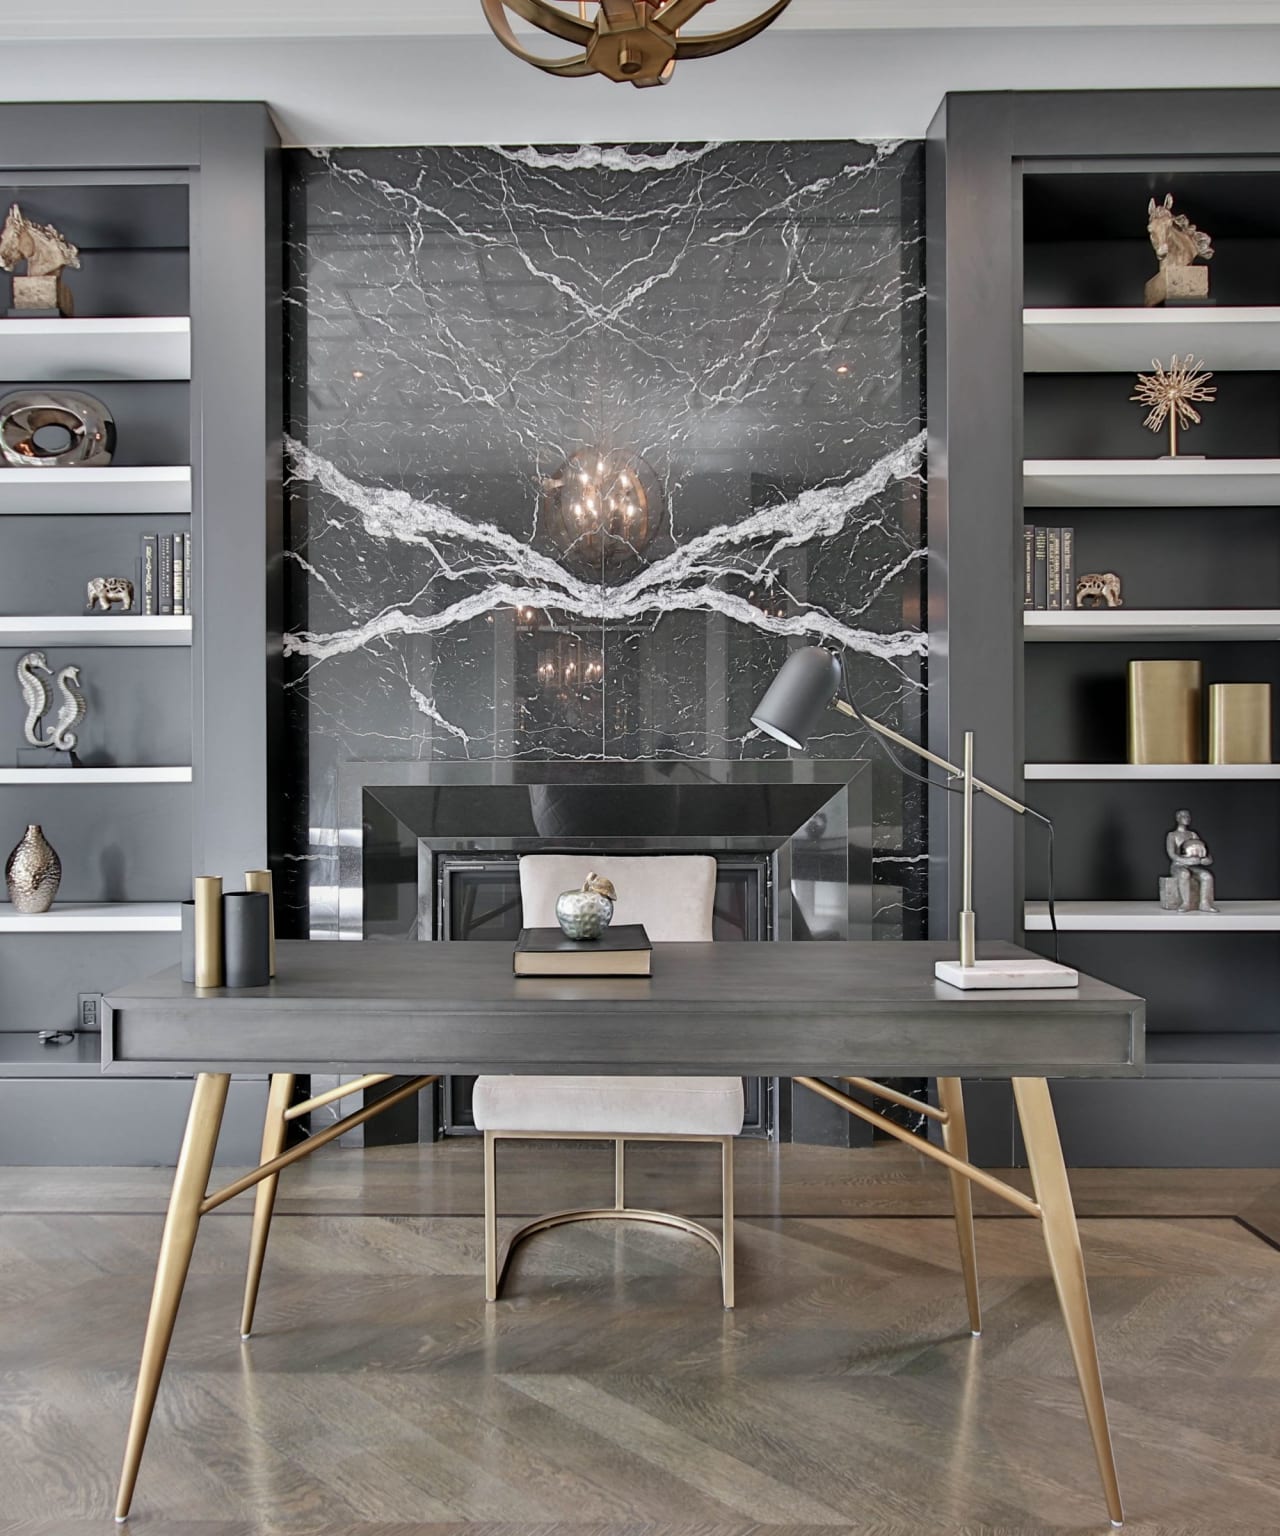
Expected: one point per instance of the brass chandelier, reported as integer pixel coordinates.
(629, 40)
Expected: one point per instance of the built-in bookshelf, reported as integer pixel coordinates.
(1203, 533)
(178, 345)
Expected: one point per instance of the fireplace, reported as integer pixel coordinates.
(438, 846)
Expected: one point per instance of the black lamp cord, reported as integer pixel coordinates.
(956, 789)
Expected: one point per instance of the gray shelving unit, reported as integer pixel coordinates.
(176, 211)
(1037, 210)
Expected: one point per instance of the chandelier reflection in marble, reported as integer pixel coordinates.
(632, 41)
(602, 508)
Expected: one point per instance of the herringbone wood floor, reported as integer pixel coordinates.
(610, 1395)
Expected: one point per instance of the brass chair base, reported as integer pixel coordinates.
(497, 1262)
(605, 1213)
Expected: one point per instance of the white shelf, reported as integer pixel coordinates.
(94, 629)
(1135, 771)
(1150, 917)
(95, 917)
(1126, 340)
(72, 777)
(153, 490)
(1152, 624)
(1182, 482)
(43, 351)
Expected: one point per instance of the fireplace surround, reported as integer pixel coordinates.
(428, 850)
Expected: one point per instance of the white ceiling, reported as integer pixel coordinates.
(371, 72)
(68, 20)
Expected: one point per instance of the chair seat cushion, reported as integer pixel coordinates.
(611, 1106)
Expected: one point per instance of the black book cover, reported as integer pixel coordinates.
(149, 542)
(1028, 567)
(1068, 567)
(1041, 573)
(621, 951)
(164, 583)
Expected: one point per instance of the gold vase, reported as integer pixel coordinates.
(33, 872)
(1240, 722)
(1164, 712)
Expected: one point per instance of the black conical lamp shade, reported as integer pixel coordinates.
(803, 689)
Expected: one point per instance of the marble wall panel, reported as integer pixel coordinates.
(737, 327)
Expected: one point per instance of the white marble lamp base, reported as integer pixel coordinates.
(1005, 975)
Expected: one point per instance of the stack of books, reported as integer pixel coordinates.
(621, 951)
(1048, 567)
(164, 574)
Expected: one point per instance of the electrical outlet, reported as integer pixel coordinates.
(90, 1011)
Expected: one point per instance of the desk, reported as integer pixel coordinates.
(805, 1011)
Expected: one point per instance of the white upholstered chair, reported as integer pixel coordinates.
(673, 896)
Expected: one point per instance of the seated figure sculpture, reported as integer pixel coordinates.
(1190, 886)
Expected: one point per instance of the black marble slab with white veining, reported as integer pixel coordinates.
(745, 319)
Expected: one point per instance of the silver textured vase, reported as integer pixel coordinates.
(586, 913)
(33, 872)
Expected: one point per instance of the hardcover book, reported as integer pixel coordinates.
(621, 951)
(186, 573)
(164, 582)
(1041, 574)
(1028, 567)
(179, 584)
(149, 573)
(1053, 567)
(1068, 567)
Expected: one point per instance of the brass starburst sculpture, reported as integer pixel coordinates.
(1172, 394)
(634, 41)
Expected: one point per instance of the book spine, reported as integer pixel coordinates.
(1053, 567)
(186, 570)
(164, 582)
(179, 584)
(1068, 567)
(149, 573)
(1040, 578)
(1028, 567)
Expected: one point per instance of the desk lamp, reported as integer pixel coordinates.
(808, 683)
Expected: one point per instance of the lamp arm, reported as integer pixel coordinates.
(930, 757)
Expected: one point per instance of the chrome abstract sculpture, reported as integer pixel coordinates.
(55, 429)
(1178, 243)
(31, 671)
(46, 253)
(1189, 885)
(632, 41)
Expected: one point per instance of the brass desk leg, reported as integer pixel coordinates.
(274, 1128)
(190, 1181)
(955, 1137)
(1062, 1239)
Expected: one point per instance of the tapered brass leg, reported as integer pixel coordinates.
(490, 1217)
(1062, 1239)
(274, 1128)
(190, 1181)
(620, 1174)
(955, 1138)
(726, 1221)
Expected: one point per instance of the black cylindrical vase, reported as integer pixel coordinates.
(188, 949)
(246, 938)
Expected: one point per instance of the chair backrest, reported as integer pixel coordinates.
(673, 895)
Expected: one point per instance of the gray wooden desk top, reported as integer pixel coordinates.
(759, 1009)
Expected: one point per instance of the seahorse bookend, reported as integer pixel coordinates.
(54, 744)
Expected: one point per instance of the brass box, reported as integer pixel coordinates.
(1164, 712)
(1240, 723)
